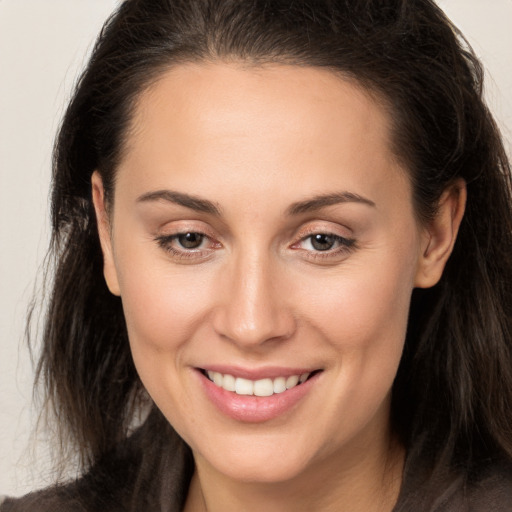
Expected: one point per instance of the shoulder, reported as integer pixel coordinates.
(488, 488)
(484, 488)
(152, 466)
(49, 500)
(491, 488)
(81, 495)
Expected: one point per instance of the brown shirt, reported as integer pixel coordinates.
(143, 476)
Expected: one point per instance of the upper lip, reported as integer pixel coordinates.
(267, 372)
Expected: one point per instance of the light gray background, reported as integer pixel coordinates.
(43, 44)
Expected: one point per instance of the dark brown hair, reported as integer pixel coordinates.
(453, 391)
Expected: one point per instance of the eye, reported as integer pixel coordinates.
(322, 241)
(325, 246)
(190, 240)
(188, 245)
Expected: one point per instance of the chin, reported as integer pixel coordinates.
(259, 460)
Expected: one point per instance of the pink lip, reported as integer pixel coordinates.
(255, 409)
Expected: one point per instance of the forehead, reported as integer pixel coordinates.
(252, 123)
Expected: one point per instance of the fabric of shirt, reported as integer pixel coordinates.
(148, 475)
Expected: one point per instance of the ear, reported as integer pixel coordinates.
(104, 232)
(440, 234)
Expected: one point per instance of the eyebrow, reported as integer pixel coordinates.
(206, 206)
(186, 200)
(321, 201)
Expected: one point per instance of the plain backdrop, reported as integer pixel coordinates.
(43, 45)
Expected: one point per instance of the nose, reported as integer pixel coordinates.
(252, 307)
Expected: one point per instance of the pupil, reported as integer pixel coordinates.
(190, 240)
(322, 242)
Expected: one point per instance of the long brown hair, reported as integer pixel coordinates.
(453, 390)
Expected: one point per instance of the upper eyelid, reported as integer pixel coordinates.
(313, 228)
(318, 226)
(345, 241)
(174, 236)
(181, 230)
(167, 242)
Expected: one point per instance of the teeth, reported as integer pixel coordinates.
(279, 385)
(229, 383)
(262, 387)
(292, 381)
(218, 379)
(244, 387)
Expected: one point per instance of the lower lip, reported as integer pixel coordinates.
(255, 409)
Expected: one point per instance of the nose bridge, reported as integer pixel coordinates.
(253, 309)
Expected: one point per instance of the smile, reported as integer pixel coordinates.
(261, 387)
(255, 396)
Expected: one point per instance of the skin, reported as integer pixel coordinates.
(254, 141)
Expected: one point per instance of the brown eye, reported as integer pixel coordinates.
(327, 245)
(190, 240)
(323, 242)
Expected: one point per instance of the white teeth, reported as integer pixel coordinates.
(218, 379)
(279, 385)
(229, 383)
(262, 387)
(292, 381)
(244, 386)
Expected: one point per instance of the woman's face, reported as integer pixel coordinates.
(262, 230)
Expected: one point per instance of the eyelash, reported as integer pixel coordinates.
(345, 245)
(166, 243)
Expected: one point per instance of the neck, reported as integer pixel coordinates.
(370, 482)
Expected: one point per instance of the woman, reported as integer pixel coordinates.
(283, 231)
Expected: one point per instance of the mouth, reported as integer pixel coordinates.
(257, 396)
(261, 387)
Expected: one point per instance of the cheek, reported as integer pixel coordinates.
(163, 311)
(365, 307)
(363, 317)
(162, 302)
(163, 307)
(365, 325)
